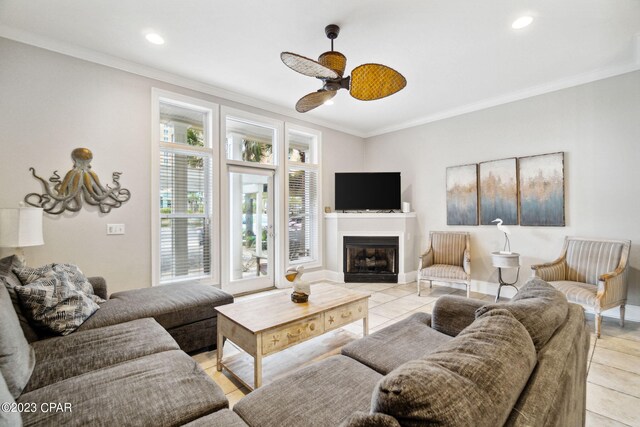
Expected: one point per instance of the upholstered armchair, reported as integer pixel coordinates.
(447, 259)
(590, 272)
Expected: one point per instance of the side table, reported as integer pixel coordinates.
(505, 260)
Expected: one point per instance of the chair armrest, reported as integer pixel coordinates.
(99, 286)
(612, 287)
(426, 259)
(550, 271)
(452, 313)
(612, 274)
(466, 261)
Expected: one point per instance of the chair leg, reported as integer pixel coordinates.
(598, 324)
(622, 316)
(430, 284)
(418, 285)
(468, 290)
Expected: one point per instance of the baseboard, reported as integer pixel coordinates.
(315, 276)
(333, 276)
(404, 278)
(632, 312)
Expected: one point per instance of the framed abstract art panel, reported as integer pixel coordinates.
(541, 181)
(462, 195)
(498, 191)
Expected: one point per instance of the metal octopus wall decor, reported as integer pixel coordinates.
(80, 183)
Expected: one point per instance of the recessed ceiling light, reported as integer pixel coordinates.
(522, 22)
(154, 38)
(328, 102)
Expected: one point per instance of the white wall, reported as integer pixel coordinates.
(597, 125)
(51, 104)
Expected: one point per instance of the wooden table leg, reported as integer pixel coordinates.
(219, 348)
(257, 372)
(257, 363)
(365, 325)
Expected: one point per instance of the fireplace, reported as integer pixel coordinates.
(370, 259)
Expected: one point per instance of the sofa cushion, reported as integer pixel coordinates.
(10, 281)
(8, 417)
(60, 358)
(363, 419)
(170, 305)
(330, 391)
(222, 418)
(474, 379)
(54, 303)
(75, 277)
(452, 313)
(555, 394)
(388, 348)
(162, 389)
(16, 355)
(538, 306)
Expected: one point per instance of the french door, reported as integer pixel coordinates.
(250, 242)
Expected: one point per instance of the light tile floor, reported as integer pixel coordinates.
(613, 382)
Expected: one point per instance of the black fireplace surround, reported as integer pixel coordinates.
(370, 259)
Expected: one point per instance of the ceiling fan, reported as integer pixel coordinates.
(366, 83)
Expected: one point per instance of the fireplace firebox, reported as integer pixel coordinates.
(370, 259)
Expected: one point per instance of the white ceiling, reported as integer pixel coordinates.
(457, 55)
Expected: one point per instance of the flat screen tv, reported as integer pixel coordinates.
(368, 191)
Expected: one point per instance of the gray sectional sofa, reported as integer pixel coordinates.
(186, 311)
(124, 366)
(521, 363)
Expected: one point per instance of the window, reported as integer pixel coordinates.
(252, 200)
(249, 142)
(303, 201)
(184, 190)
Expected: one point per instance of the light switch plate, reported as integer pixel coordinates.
(115, 229)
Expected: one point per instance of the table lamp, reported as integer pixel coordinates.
(19, 228)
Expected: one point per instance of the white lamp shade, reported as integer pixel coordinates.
(21, 227)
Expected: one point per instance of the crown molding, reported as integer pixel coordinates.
(554, 86)
(225, 94)
(93, 56)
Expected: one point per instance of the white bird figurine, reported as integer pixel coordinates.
(506, 232)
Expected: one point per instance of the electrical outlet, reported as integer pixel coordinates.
(115, 229)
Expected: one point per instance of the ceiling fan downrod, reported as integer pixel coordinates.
(332, 31)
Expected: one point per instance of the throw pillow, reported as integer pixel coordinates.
(17, 357)
(473, 380)
(75, 275)
(9, 279)
(79, 280)
(538, 306)
(31, 274)
(54, 303)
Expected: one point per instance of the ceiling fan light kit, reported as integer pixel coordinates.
(366, 83)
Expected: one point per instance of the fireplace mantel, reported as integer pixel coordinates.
(403, 225)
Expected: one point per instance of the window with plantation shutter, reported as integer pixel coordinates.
(185, 193)
(303, 204)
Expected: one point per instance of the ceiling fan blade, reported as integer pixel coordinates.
(313, 100)
(375, 81)
(307, 66)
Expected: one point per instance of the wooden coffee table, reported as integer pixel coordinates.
(266, 325)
